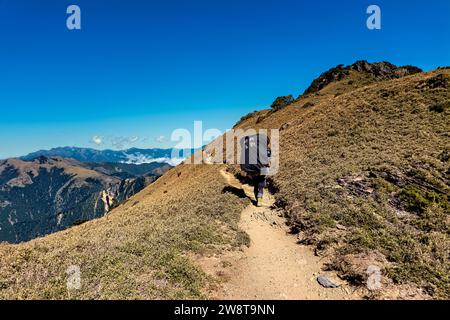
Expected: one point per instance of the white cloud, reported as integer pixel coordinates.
(160, 139)
(122, 142)
(98, 140)
(140, 159)
(116, 142)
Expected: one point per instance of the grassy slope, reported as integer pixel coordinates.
(138, 250)
(366, 137)
(373, 161)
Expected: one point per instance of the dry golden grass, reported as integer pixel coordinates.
(367, 137)
(138, 251)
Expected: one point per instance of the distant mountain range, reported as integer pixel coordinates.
(46, 194)
(132, 156)
(51, 190)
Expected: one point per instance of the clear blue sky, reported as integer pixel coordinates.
(144, 68)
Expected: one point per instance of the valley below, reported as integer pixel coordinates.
(48, 194)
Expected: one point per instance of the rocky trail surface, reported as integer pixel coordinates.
(274, 266)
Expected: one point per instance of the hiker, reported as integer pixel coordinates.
(255, 161)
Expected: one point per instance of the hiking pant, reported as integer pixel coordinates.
(259, 183)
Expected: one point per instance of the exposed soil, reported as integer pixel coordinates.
(274, 266)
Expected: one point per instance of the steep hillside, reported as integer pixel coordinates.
(139, 250)
(363, 179)
(45, 195)
(364, 176)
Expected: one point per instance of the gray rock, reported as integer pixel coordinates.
(325, 282)
(374, 279)
(340, 227)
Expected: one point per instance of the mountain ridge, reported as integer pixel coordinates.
(378, 71)
(131, 155)
(360, 165)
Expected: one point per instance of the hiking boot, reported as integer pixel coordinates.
(259, 202)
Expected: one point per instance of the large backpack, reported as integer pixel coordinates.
(255, 153)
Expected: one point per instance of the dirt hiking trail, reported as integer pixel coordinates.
(274, 266)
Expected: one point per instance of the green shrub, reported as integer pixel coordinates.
(282, 102)
(247, 116)
(307, 105)
(440, 107)
(414, 200)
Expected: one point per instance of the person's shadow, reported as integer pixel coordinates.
(236, 191)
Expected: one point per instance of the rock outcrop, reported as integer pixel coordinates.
(378, 71)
